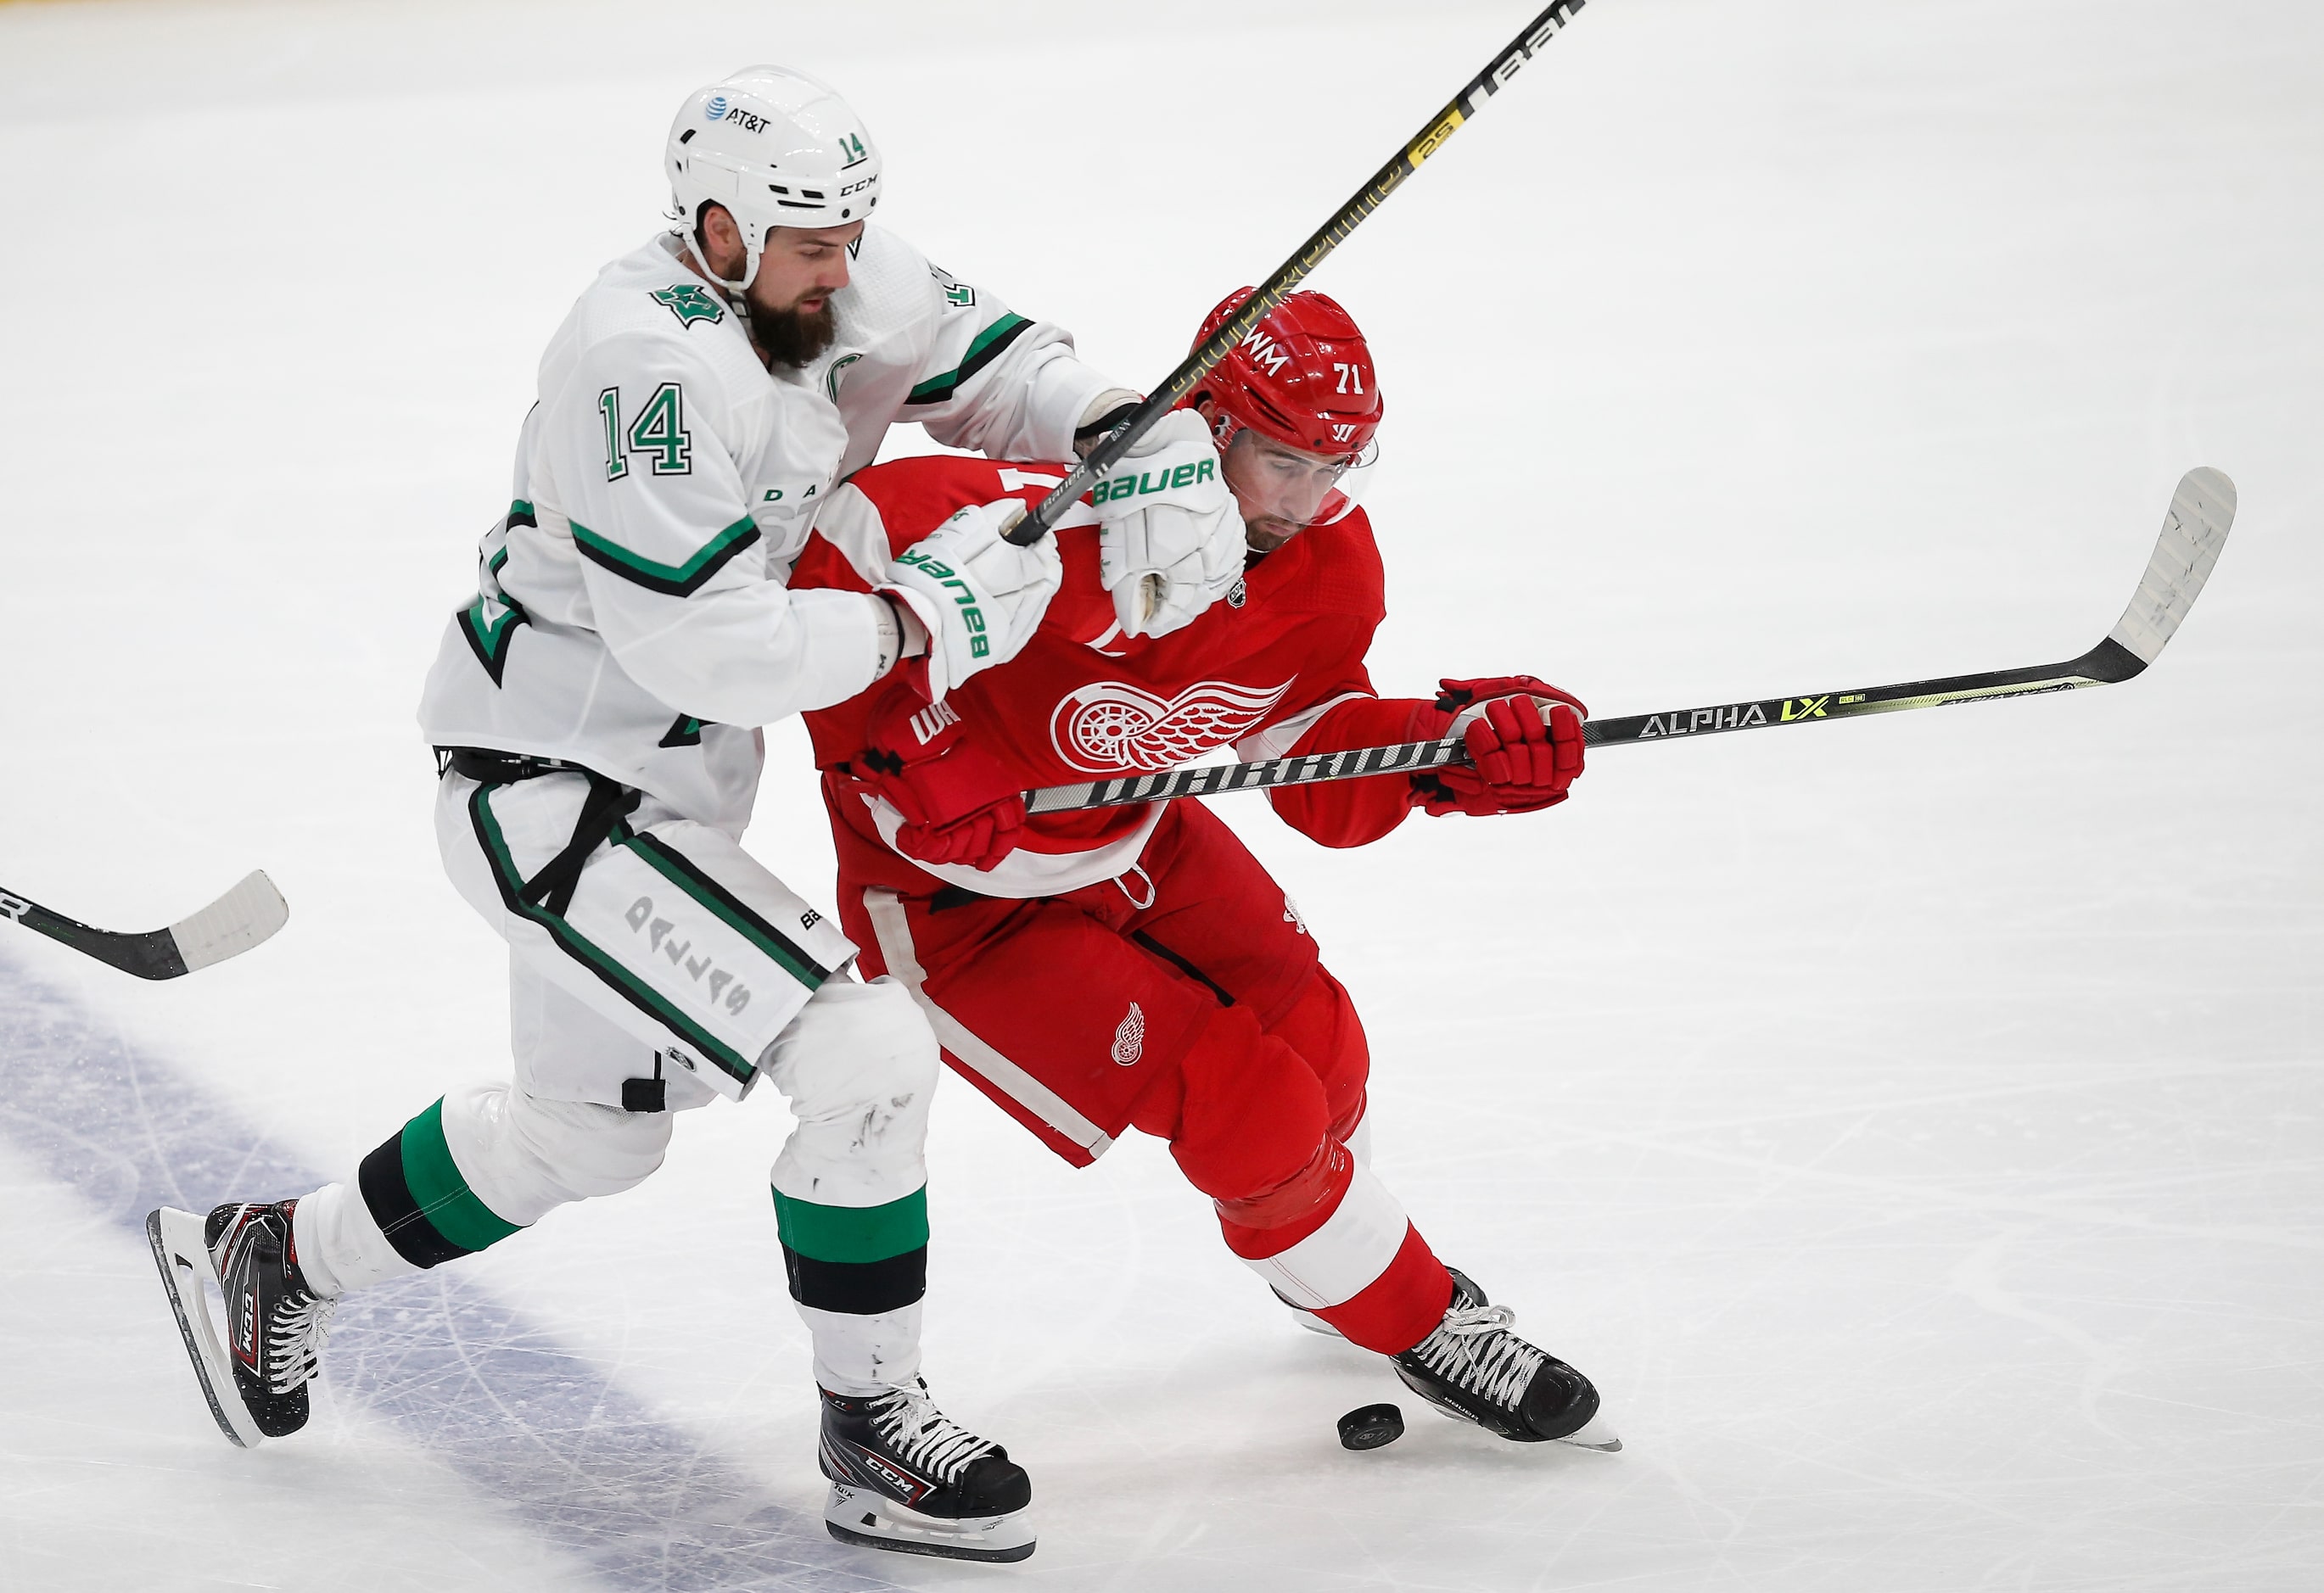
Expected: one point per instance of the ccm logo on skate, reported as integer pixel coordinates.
(902, 1481)
(1110, 725)
(662, 935)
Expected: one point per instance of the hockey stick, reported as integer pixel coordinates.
(227, 928)
(2193, 532)
(1288, 276)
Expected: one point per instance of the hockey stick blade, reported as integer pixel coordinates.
(238, 920)
(2193, 532)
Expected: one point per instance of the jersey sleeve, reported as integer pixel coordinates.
(675, 570)
(1356, 812)
(996, 383)
(1335, 708)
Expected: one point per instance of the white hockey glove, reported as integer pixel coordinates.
(980, 597)
(1169, 541)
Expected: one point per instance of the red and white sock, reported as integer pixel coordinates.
(1356, 1261)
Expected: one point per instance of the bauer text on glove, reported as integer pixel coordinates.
(980, 596)
(1169, 541)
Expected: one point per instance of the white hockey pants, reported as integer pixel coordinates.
(666, 971)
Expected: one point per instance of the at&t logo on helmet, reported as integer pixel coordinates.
(773, 148)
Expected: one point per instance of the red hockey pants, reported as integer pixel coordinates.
(1201, 1016)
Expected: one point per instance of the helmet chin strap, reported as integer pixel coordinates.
(737, 294)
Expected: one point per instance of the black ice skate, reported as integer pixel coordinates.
(906, 1477)
(255, 1374)
(1474, 1367)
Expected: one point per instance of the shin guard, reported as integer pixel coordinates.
(857, 1275)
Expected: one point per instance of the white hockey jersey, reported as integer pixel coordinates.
(632, 615)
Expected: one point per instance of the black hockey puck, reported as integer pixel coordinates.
(1370, 1427)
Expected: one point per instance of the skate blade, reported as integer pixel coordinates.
(1596, 1433)
(176, 1237)
(873, 1520)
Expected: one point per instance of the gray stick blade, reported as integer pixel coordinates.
(233, 924)
(2193, 532)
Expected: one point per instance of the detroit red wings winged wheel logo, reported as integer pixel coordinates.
(1108, 727)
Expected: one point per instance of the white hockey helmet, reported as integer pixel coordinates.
(777, 148)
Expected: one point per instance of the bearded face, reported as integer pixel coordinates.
(788, 303)
(793, 336)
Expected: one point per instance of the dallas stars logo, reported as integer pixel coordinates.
(689, 303)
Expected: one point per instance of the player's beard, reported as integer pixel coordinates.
(787, 337)
(1269, 532)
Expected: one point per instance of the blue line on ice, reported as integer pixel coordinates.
(489, 1393)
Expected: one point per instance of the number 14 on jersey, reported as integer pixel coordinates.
(659, 433)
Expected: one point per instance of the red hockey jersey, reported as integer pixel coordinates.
(1274, 669)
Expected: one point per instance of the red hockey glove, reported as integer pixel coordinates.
(960, 805)
(1525, 742)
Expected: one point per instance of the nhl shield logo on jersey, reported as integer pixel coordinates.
(690, 303)
(1110, 725)
(1129, 1039)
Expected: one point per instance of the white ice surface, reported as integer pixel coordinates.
(1912, 1125)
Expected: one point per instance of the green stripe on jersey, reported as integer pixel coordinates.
(854, 1233)
(440, 1192)
(989, 341)
(679, 579)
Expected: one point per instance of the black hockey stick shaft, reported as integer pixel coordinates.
(2103, 665)
(2202, 510)
(1288, 276)
(238, 920)
(148, 954)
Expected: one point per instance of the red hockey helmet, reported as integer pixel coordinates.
(1302, 376)
(1300, 380)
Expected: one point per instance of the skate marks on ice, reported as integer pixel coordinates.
(475, 1384)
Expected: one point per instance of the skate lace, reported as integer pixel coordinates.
(923, 1436)
(295, 1341)
(1474, 1348)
